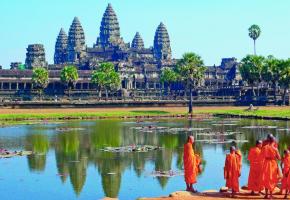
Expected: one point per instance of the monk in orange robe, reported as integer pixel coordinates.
(190, 164)
(232, 170)
(271, 172)
(285, 165)
(256, 164)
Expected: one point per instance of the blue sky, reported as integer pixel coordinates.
(212, 28)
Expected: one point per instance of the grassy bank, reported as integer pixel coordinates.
(92, 113)
(270, 112)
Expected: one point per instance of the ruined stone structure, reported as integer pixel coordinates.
(139, 66)
(35, 56)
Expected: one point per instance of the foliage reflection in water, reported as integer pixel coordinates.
(74, 157)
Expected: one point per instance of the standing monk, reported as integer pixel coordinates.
(271, 170)
(232, 170)
(285, 165)
(190, 164)
(256, 168)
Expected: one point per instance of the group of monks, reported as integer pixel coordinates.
(265, 173)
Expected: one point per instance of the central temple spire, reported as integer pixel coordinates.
(110, 29)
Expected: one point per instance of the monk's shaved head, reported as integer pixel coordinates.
(269, 136)
(233, 148)
(258, 142)
(190, 139)
(272, 138)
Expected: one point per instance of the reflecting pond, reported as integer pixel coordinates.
(68, 162)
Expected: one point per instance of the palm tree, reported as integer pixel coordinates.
(254, 33)
(106, 78)
(168, 76)
(40, 79)
(69, 76)
(190, 70)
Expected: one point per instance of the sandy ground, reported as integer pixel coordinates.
(94, 110)
(210, 195)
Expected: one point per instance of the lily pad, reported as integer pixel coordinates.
(260, 127)
(66, 129)
(8, 154)
(168, 174)
(132, 148)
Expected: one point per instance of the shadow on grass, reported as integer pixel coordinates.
(151, 112)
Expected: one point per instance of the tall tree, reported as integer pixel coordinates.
(190, 69)
(106, 78)
(284, 80)
(271, 72)
(168, 76)
(254, 33)
(251, 70)
(69, 76)
(40, 79)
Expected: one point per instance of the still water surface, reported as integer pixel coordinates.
(68, 164)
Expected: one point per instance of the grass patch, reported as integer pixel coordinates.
(151, 112)
(261, 113)
(62, 114)
(82, 115)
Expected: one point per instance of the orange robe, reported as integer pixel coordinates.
(271, 172)
(266, 142)
(232, 171)
(286, 169)
(189, 161)
(198, 163)
(256, 168)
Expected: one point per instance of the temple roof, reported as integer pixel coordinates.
(62, 35)
(162, 42)
(60, 54)
(110, 29)
(161, 36)
(137, 42)
(76, 35)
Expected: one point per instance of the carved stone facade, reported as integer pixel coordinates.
(137, 42)
(35, 56)
(76, 42)
(162, 48)
(61, 55)
(110, 35)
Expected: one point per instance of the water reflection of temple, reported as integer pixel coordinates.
(76, 150)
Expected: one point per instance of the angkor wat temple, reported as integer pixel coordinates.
(139, 66)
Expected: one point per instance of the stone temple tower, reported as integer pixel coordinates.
(35, 56)
(110, 30)
(162, 49)
(60, 54)
(76, 42)
(137, 42)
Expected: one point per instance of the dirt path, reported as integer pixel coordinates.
(209, 195)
